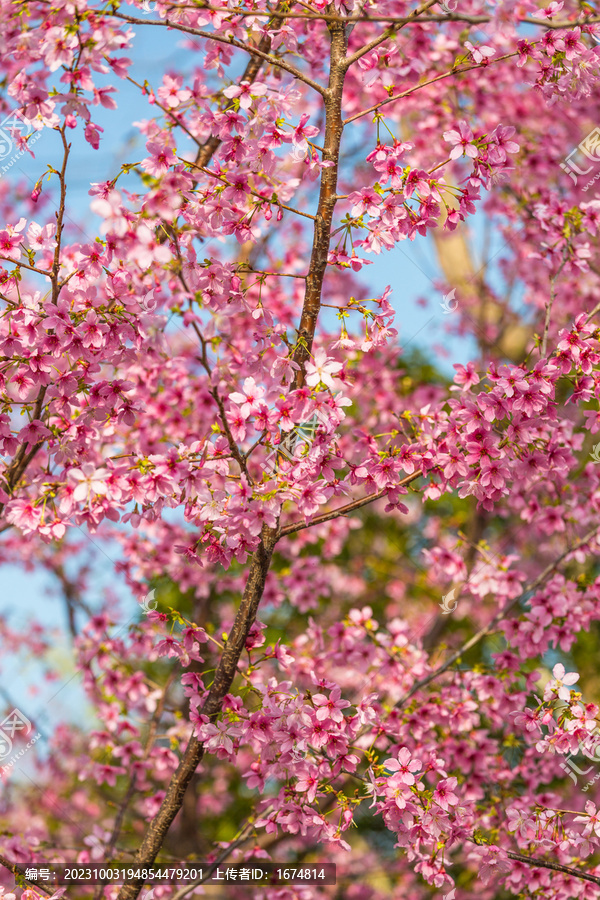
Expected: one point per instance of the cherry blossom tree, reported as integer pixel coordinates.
(205, 393)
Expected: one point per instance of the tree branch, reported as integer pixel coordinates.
(344, 510)
(388, 33)
(556, 867)
(20, 871)
(424, 84)
(255, 64)
(334, 127)
(229, 41)
(226, 670)
(549, 304)
(253, 193)
(550, 568)
(157, 829)
(394, 20)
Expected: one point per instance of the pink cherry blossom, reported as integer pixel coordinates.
(461, 140)
(89, 480)
(403, 766)
(245, 91)
(330, 707)
(252, 393)
(561, 683)
(322, 369)
(481, 53)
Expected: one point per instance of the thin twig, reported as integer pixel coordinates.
(344, 510)
(182, 892)
(19, 870)
(254, 193)
(556, 867)
(229, 41)
(425, 84)
(388, 33)
(549, 304)
(550, 568)
(393, 20)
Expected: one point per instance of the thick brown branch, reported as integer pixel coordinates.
(226, 670)
(327, 199)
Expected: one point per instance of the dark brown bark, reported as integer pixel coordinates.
(327, 198)
(226, 670)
